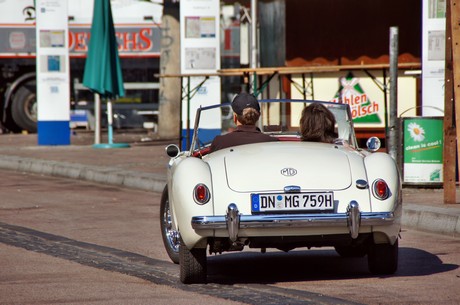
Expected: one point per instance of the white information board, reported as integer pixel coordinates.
(200, 55)
(433, 56)
(53, 81)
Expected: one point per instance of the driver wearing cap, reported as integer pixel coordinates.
(246, 113)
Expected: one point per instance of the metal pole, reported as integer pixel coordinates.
(181, 120)
(304, 89)
(188, 113)
(110, 120)
(97, 118)
(385, 99)
(393, 135)
(254, 42)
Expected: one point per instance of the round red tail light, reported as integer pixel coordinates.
(201, 194)
(381, 189)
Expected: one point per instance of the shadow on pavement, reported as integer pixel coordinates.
(313, 265)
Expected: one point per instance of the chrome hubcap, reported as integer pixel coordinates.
(172, 235)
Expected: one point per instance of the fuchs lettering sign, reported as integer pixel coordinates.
(144, 40)
(132, 41)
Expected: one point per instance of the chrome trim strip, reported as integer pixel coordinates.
(292, 220)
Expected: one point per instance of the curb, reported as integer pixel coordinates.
(432, 219)
(110, 176)
(419, 217)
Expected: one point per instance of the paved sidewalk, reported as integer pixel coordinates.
(143, 166)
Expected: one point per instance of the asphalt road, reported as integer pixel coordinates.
(64, 241)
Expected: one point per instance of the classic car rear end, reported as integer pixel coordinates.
(285, 195)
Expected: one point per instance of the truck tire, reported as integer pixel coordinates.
(24, 109)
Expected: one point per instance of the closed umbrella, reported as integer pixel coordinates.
(102, 72)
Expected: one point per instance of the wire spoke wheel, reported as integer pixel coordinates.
(171, 237)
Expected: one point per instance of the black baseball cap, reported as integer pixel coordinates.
(244, 100)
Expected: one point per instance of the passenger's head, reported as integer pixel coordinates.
(317, 124)
(246, 108)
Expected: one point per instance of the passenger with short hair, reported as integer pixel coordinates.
(246, 113)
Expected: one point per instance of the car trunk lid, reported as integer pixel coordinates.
(273, 166)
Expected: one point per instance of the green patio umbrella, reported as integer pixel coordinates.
(102, 72)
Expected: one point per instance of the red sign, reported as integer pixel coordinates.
(131, 41)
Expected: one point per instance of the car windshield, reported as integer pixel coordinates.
(279, 118)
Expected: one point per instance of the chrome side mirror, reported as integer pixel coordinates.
(172, 150)
(373, 144)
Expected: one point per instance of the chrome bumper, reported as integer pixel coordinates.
(233, 221)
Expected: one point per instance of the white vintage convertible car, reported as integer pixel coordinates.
(283, 195)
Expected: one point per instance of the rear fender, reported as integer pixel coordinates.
(382, 166)
(187, 174)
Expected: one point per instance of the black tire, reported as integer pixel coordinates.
(383, 258)
(351, 251)
(24, 108)
(193, 265)
(171, 238)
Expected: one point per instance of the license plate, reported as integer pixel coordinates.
(292, 202)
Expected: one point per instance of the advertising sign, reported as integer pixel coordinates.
(366, 112)
(423, 147)
(136, 24)
(362, 90)
(53, 88)
(133, 40)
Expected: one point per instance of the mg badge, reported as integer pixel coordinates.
(288, 172)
